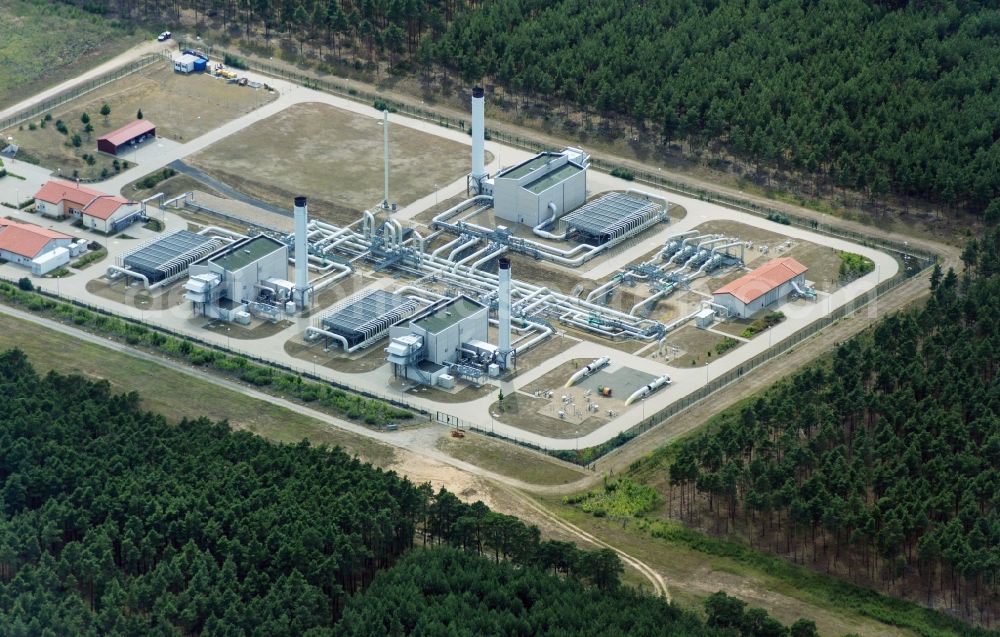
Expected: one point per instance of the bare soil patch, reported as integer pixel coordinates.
(696, 346)
(509, 460)
(541, 415)
(335, 156)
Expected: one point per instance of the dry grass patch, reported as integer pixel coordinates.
(183, 107)
(335, 156)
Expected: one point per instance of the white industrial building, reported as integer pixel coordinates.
(248, 276)
(40, 249)
(538, 190)
(430, 347)
(542, 188)
(762, 287)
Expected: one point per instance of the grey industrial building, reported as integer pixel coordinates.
(612, 216)
(541, 188)
(431, 346)
(234, 279)
(364, 318)
(169, 256)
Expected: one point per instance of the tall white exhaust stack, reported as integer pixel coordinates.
(503, 312)
(301, 253)
(478, 141)
(385, 137)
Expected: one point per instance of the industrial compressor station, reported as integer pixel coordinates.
(614, 289)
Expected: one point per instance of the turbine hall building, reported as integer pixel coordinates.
(543, 187)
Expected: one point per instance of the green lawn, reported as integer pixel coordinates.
(44, 43)
(174, 394)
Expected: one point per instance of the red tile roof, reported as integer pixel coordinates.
(129, 132)
(104, 206)
(55, 191)
(756, 284)
(24, 239)
(92, 202)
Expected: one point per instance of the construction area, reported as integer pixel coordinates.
(524, 294)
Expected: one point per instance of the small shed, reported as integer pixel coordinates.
(704, 318)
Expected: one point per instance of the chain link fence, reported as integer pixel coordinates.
(50, 103)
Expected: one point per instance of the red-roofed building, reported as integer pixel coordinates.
(754, 291)
(137, 132)
(38, 248)
(61, 199)
(97, 210)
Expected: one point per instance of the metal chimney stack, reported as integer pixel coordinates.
(385, 136)
(503, 312)
(301, 253)
(478, 140)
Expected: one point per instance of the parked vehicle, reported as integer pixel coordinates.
(166, 35)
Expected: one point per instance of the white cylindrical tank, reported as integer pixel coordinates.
(503, 310)
(301, 213)
(478, 139)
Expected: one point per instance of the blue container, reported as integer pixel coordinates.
(200, 64)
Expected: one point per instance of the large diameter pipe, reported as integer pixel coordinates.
(646, 390)
(503, 313)
(301, 213)
(588, 370)
(666, 290)
(313, 332)
(478, 139)
(545, 332)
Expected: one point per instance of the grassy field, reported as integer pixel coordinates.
(182, 107)
(175, 394)
(695, 345)
(509, 460)
(335, 156)
(42, 44)
(693, 575)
